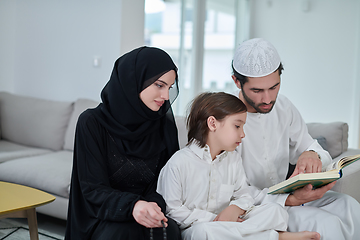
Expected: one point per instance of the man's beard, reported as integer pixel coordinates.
(257, 106)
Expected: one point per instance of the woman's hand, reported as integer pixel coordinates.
(148, 214)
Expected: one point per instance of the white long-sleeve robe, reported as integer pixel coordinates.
(274, 140)
(196, 189)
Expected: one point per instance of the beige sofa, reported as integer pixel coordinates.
(36, 144)
(37, 138)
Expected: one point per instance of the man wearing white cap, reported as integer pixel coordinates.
(276, 135)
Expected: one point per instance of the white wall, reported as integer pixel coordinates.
(319, 48)
(7, 39)
(47, 47)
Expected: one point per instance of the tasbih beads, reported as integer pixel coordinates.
(164, 232)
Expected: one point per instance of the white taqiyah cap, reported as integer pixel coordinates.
(256, 58)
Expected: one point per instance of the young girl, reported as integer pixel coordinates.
(204, 184)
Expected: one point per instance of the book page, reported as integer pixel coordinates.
(332, 166)
(343, 162)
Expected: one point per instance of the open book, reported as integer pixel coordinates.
(332, 173)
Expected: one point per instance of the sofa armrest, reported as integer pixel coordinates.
(348, 184)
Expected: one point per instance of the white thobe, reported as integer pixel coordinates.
(274, 140)
(196, 189)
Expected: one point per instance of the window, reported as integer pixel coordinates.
(200, 36)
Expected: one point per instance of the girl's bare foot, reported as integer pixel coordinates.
(299, 235)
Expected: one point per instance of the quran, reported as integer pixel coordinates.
(332, 173)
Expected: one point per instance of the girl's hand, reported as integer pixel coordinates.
(231, 214)
(148, 214)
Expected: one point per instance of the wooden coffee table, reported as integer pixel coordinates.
(17, 201)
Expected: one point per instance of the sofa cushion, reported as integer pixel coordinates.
(9, 151)
(34, 122)
(49, 172)
(79, 106)
(182, 131)
(322, 142)
(335, 133)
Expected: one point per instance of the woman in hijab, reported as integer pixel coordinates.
(120, 148)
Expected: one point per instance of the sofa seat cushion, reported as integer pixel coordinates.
(48, 172)
(10, 151)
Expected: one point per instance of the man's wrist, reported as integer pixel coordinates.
(316, 153)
